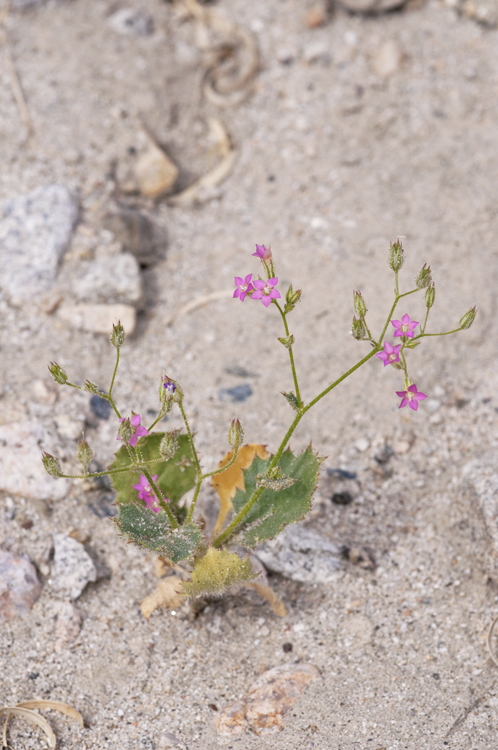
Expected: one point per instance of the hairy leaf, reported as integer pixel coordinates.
(176, 476)
(217, 571)
(153, 531)
(276, 509)
(228, 481)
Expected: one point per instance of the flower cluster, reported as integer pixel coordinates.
(391, 355)
(259, 289)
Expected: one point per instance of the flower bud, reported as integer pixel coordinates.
(469, 317)
(358, 329)
(396, 255)
(125, 430)
(58, 374)
(359, 304)
(291, 400)
(169, 444)
(430, 296)
(292, 298)
(424, 277)
(118, 335)
(235, 434)
(169, 391)
(287, 341)
(91, 387)
(84, 453)
(52, 465)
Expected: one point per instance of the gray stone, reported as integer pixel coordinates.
(302, 555)
(19, 585)
(34, 235)
(131, 22)
(112, 279)
(21, 468)
(238, 393)
(73, 567)
(99, 318)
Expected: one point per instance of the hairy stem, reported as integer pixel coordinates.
(159, 496)
(230, 530)
(196, 461)
(291, 356)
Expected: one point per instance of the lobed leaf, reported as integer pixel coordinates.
(176, 476)
(276, 509)
(153, 530)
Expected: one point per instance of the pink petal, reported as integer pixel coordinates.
(266, 300)
(412, 388)
(401, 394)
(238, 280)
(274, 294)
(236, 292)
(133, 441)
(257, 295)
(405, 319)
(135, 420)
(413, 405)
(404, 402)
(273, 282)
(259, 284)
(248, 278)
(420, 396)
(396, 323)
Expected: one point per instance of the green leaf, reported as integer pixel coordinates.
(276, 509)
(176, 476)
(153, 531)
(217, 571)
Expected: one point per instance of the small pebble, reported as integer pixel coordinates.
(19, 585)
(362, 445)
(341, 498)
(238, 393)
(100, 407)
(388, 59)
(287, 648)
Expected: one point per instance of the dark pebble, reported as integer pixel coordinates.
(213, 706)
(436, 675)
(33, 675)
(100, 407)
(27, 524)
(239, 393)
(341, 498)
(287, 648)
(341, 473)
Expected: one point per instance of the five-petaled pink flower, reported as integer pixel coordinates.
(263, 252)
(404, 327)
(410, 397)
(390, 355)
(146, 493)
(244, 286)
(139, 431)
(265, 291)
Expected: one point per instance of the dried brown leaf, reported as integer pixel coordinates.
(168, 593)
(227, 482)
(63, 708)
(267, 593)
(31, 716)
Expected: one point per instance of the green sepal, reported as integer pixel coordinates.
(175, 477)
(153, 530)
(275, 510)
(292, 400)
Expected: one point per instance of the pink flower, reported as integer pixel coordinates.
(390, 355)
(263, 252)
(146, 493)
(404, 327)
(138, 430)
(265, 291)
(244, 286)
(410, 397)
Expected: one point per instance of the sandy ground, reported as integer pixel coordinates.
(332, 162)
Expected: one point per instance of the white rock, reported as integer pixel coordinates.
(388, 59)
(114, 279)
(302, 555)
(34, 235)
(73, 567)
(99, 318)
(21, 468)
(68, 625)
(19, 585)
(362, 445)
